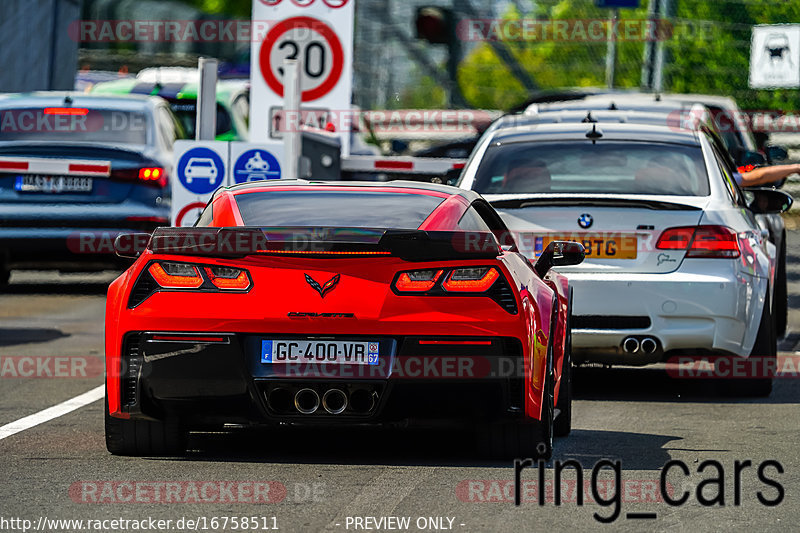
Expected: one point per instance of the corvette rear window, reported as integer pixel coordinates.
(340, 208)
(582, 167)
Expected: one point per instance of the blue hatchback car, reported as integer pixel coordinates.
(76, 170)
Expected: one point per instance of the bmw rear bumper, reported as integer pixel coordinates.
(712, 308)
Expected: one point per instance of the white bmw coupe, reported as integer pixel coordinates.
(676, 263)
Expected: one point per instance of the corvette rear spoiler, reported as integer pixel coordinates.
(409, 245)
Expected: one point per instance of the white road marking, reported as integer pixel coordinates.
(52, 412)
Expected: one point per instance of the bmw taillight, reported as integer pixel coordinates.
(155, 176)
(478, 279)
(227, 278)
(417, 280)
(709, 241)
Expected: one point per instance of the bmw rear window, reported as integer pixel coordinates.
(339, 208)
(603, 168)
(73, 123)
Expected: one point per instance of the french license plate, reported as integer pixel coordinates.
(52, 184)
(321, 352)
(597, 245)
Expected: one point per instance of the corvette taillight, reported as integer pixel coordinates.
(417, 280)
(176, 275)
(709, 241)
(227, 278)
(467, 279)
(470, 279)
(161, 276)
(467, 282)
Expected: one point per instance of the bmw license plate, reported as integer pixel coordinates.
(597, 245)
(52, 184)
(320, 351)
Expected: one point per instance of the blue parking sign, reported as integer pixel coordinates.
(201, 170)
(256, 165)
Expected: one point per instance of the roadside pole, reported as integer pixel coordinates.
(291, 105)
(611, 51)
(206, 129)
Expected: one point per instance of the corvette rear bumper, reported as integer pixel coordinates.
(216, 378)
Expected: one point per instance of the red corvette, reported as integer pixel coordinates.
(293, 302)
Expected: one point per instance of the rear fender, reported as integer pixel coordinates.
(115, 304)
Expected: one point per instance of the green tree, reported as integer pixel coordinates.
(707, 52)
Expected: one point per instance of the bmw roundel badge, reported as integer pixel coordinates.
(585, 220)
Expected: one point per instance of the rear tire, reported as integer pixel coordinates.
(765, 350)
(143, 437)
(527, 438)
(562, 425)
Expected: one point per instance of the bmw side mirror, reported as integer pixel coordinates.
(776, 153)
(767, 201)
(559, 253)
(131, 245)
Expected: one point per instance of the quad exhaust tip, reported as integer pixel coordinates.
(363, 400)
(280, 399)
(306, 401)
(334, 401)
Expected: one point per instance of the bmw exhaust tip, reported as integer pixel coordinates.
(306, 401)
(280, 399)
(649, 345)
(362, 400)
(334, 401)
(630, 345)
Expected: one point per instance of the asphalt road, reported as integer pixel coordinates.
(60, 469)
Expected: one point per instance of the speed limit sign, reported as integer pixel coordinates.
(318, 47)
(319, 35)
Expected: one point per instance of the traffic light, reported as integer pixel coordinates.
(435, 24)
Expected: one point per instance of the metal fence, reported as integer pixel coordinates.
(508, 49)
(705, 49)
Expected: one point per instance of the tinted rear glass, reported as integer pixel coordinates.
(73, 124)
(605, 167)
(344, 209)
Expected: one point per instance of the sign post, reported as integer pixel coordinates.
(293, 147)
(206, 129)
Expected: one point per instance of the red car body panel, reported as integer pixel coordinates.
(364, 289)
